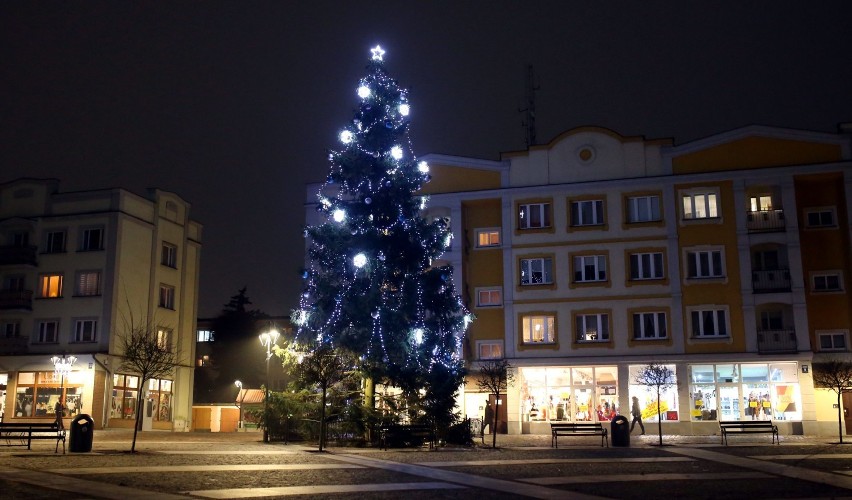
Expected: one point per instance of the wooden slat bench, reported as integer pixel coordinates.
(23, 433)
(407, 435)
(577, 429)
(749, 427)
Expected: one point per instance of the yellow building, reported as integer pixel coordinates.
(585, 259)
(76, 265)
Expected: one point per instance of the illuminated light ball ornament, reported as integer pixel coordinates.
(339, 215)
(396, 153)
(418, 336)
(364, 92)
(404, 109)
(360, 260)
(423, 167)
(346, 137)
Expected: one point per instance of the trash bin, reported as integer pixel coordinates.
(620, 431)
(81, 434)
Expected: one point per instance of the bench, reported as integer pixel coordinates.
(577, 429)
(749, 427)
(407, 435)
(22, 433)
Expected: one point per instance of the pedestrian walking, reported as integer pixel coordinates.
(60, 412)
(637, 415)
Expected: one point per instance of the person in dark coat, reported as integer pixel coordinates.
(637, 415)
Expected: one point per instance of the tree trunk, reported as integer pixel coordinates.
(369, 402)
(659, 417)
(322, 420)
(494, 423)
(138, 420)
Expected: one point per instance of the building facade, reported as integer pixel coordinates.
(727, 259)
(77, 268)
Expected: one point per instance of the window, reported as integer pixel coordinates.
(705, 264)
(827, 282)
(649, 325)
(832, 341)
(204, 336)
(54, 242)
(12, 329)
(490, 297)
(167, 296)
(534, 216)
(20, 239)
(709, 323)
(92, 239)
(700, 206)
(589, 268)
(487, 238)
(592, 327)
(820, 217)
(124, 391)
(36, 395)
(536, 271)
(47, 332)
(643, 209)
(646, 266)
(664, 408)
(88, 283)
(14, 283)
(50, 286)
(490, 350)
(761, 203)
(85, 330)
(164, 339)
(539, 329)
(169, 255)
(771, 320)
(587, 213)
(203, 361)
(160, 394)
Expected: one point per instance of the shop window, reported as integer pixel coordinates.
(160, 394)
(124, 391)
(647, 396)
(37, 393)
(557, 394)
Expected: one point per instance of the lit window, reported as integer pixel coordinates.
(92, 239)
(592, 327)
(833, 341)
(164, 338)
(539, 329)
(700, 206)
(85, 330)
(204, 336)
(50, 286)
(646, 266)
(167, 297)
(536, 271)
(828, 282)
(491, 297)
(54, 242)
(490, 350)
(705, 264)
(587, 213)
(534, 216)
(169, 255)
(649, 325)
(47, 332)
(589, 268)
(822, 217)
(762, 203)
(88, 283)
(643, 209)
(709, 323)
(487, 238)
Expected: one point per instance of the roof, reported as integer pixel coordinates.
(249, 396)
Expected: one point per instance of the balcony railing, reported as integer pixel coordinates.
(775, 280)
(765, 220)
(775, 341)
(14, 345)
(16, 299)
(18, 255)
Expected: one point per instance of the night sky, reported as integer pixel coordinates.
(233, 105)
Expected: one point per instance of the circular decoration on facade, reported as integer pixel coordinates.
(586, 154)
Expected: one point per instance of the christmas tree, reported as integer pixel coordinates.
(373, 287)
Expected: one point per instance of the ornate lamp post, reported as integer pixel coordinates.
(240, 398)
(62, 366)
(267, 340)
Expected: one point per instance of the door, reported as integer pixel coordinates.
(502, 413)
(847, 410)
(228, 419)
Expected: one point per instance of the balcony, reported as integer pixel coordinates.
(10, 256)
(776, 341)
(761, 221)
(13, 345)
(16, 299)
(769, 281)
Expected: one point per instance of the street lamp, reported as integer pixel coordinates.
(267, 340)
(62, 367)
(240, 397)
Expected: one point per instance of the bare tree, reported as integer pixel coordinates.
(148, 353)
(835, 374)
(660, 377)
(495, 376)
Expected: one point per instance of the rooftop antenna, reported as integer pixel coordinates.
(529, 122)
